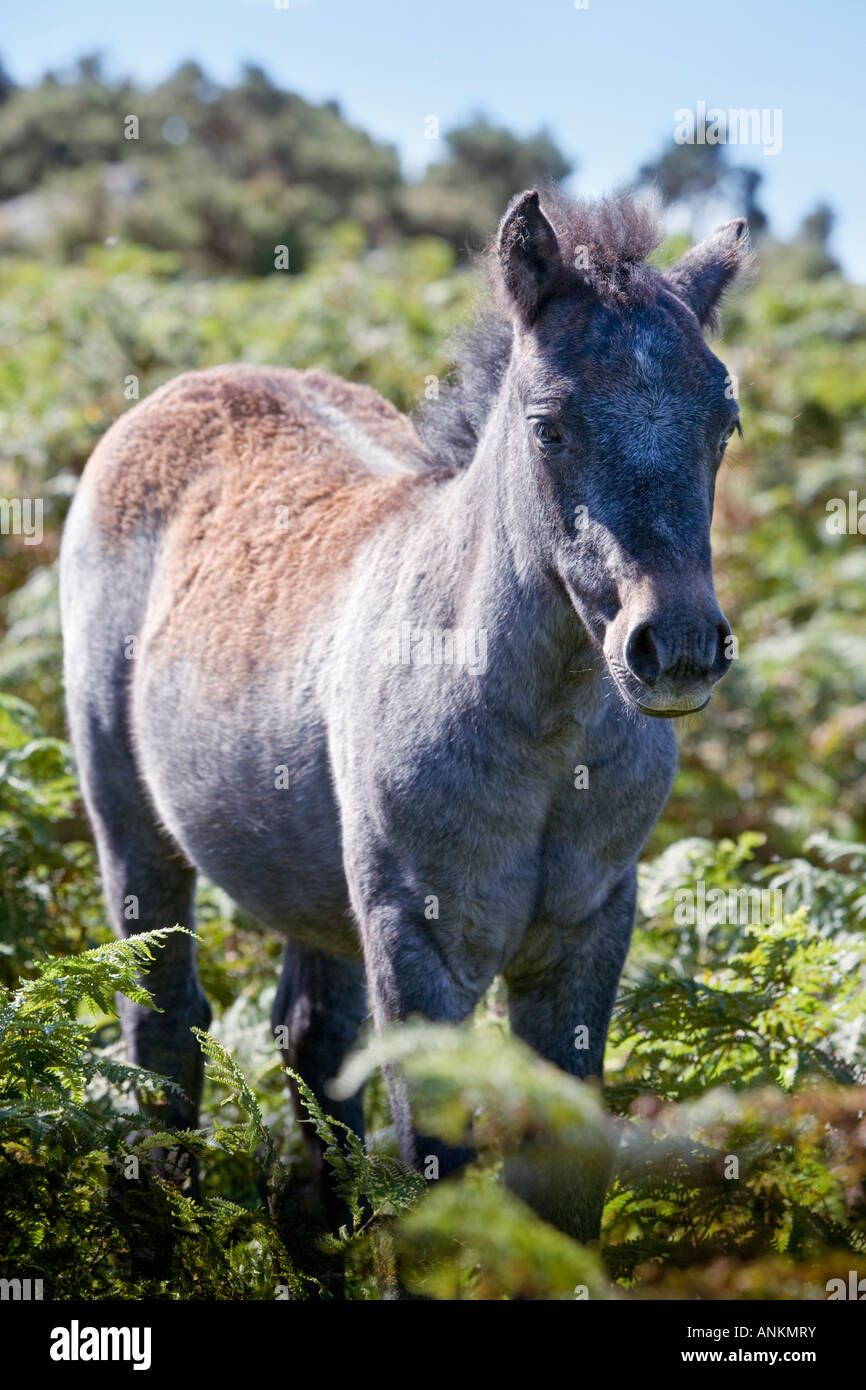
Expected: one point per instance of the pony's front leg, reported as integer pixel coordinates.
(562, 985)
(407, 975)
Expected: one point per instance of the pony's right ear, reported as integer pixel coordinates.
(529, 259)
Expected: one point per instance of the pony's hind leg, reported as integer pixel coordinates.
(146, 882)
(147, 885)
(318, 1010)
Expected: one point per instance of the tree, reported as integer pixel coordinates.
(689, 175)
(7, 86)
(814, 234)
(463, 197)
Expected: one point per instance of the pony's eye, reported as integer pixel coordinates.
(735, 425)
(545, 433)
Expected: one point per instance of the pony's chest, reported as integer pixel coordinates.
(512, 826)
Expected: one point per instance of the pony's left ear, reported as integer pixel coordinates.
(703, 274)
(529, 258)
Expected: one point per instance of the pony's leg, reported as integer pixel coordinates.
(407, 975)
(560, 983)
(318, 1010)
(147, 885)
(146, 882)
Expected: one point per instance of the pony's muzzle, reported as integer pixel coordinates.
(676, 659)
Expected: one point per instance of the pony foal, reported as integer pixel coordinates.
(264, 534)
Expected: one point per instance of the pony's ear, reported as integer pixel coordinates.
(703, 274)
(529, 258)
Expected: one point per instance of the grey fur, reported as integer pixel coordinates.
(412, 780)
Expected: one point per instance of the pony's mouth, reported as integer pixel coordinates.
(657, 711)
(671, 713)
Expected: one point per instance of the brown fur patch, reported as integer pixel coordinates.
(261, 505)
(379, 420)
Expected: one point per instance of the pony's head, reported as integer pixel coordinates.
(617, 416)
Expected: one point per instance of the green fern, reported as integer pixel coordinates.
(371, 1184)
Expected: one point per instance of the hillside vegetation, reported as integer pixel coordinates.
(731, 1041)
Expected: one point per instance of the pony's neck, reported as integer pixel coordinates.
(539, 652)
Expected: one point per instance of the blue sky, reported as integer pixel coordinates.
(606, 80)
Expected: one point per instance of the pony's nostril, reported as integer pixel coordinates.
(641, 654)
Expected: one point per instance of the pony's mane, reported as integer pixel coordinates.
(604, 246)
